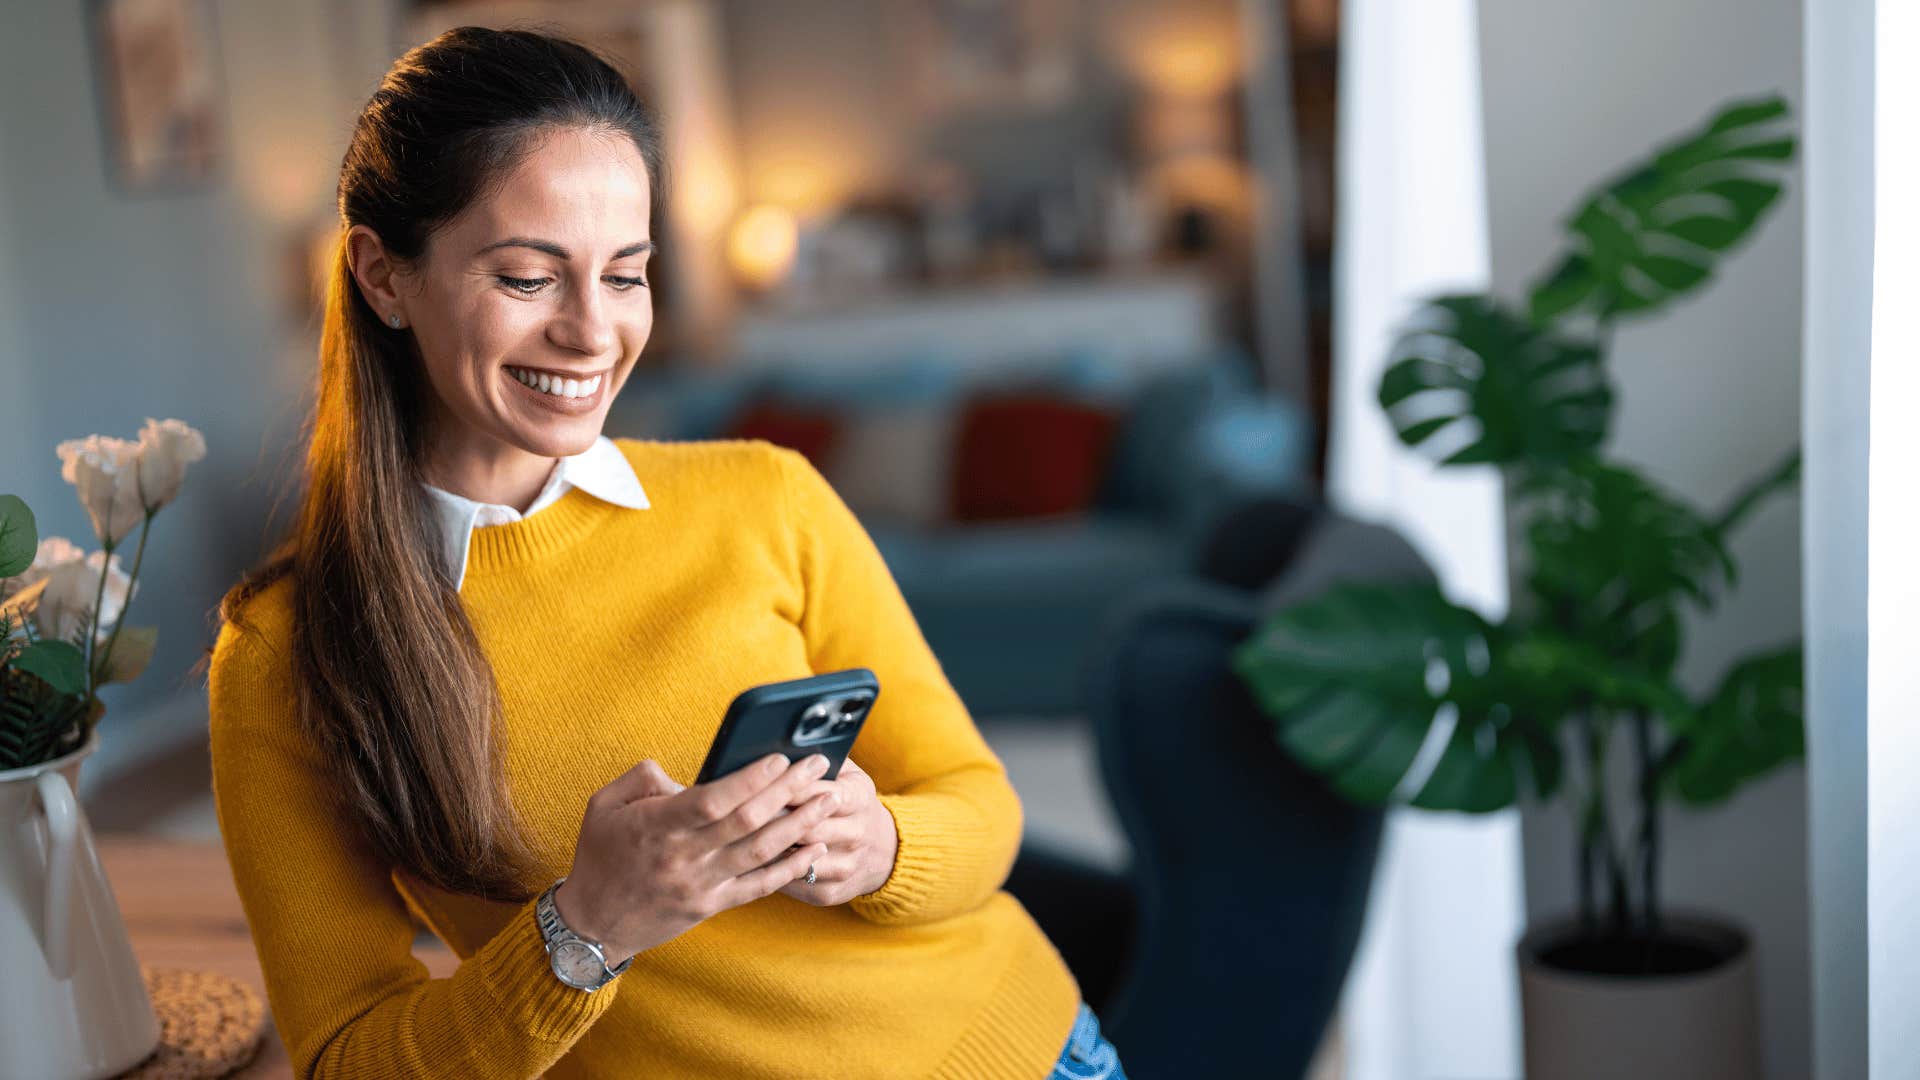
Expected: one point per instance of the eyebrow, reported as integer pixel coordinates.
(559, 252)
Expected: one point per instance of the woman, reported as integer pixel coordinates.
(464, 685)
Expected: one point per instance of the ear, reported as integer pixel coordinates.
(376, 274)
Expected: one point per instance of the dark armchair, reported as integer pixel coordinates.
(1223, 951)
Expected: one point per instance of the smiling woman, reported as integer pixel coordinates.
(520, 337)
(464, 686)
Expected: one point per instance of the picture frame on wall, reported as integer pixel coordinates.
(159, 86)
(972, 55)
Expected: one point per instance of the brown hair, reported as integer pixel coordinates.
(391, 682)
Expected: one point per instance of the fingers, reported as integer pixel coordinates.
(854, 787)
(832, 881)
(644, 780)
(834, 830)
(857, 779)
(704, 804)
(845, 799)
(766, 844)
(768, 803)
(768, 879)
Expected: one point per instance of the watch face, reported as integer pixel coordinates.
(576, 965)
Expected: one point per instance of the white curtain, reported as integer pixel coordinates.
(1433, 991)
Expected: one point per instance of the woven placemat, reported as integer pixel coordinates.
(210, 1025)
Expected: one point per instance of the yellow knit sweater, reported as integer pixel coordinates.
(617, 635)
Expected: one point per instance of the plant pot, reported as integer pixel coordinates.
(1595, 1010)
(75, 1006)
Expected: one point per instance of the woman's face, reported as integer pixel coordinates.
(531, 307)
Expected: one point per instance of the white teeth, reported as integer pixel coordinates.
(558, 387)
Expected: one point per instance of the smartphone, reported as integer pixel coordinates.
(819, 714)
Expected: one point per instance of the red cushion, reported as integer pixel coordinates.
(810, 431)
(1028, 455)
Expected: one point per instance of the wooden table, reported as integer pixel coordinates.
(181, 910)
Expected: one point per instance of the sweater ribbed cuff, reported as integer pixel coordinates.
(942, 856)
(516, 971)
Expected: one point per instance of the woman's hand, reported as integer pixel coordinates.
(860, 837)
(654, 859)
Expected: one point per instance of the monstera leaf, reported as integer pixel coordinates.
(1657, 232)
(1753, 722)
(1356, 678)
(1487, 386)
(1612, 556)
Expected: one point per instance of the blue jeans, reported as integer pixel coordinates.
(1088, 1055)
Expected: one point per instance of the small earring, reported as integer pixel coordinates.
(394, 321)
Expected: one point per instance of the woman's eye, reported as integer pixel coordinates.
(531, 286)
(524, 286)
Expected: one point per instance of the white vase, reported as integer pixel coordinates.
(73, 1005)
(1700, 1025)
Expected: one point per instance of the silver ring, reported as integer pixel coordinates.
(809, 873)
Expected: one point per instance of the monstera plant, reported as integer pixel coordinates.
(1396, 694)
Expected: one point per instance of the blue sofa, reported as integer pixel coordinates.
(1011, 607)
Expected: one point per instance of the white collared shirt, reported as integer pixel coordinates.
(601, 470)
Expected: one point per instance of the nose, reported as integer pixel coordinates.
(583, 324)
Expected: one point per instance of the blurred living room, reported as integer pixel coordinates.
(1387, 480)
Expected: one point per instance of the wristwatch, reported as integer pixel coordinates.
(576, 961)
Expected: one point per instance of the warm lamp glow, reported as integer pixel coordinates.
(807, 184)
(1193, 68)
(1181, 54)
(705, 193)
(761, 246)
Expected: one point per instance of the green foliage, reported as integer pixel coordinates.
(1753, 722)
(1613, 557)
(42, 682)
(1367, 684)
(59, 664)
(1358, 676)
(37, 723)
(19, 539)
(1501, 388)
(1656, 232)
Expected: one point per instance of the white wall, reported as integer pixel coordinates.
(120, 307)
(19, 377)
(1709, 394)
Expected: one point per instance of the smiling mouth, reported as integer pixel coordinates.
(563, 385)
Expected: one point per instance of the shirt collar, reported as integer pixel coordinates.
(601, 470)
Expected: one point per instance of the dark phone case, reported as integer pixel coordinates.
(762, 718)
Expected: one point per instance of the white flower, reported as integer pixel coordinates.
(105, 472)
(63, 610)
(53, 551)
(167, 447)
